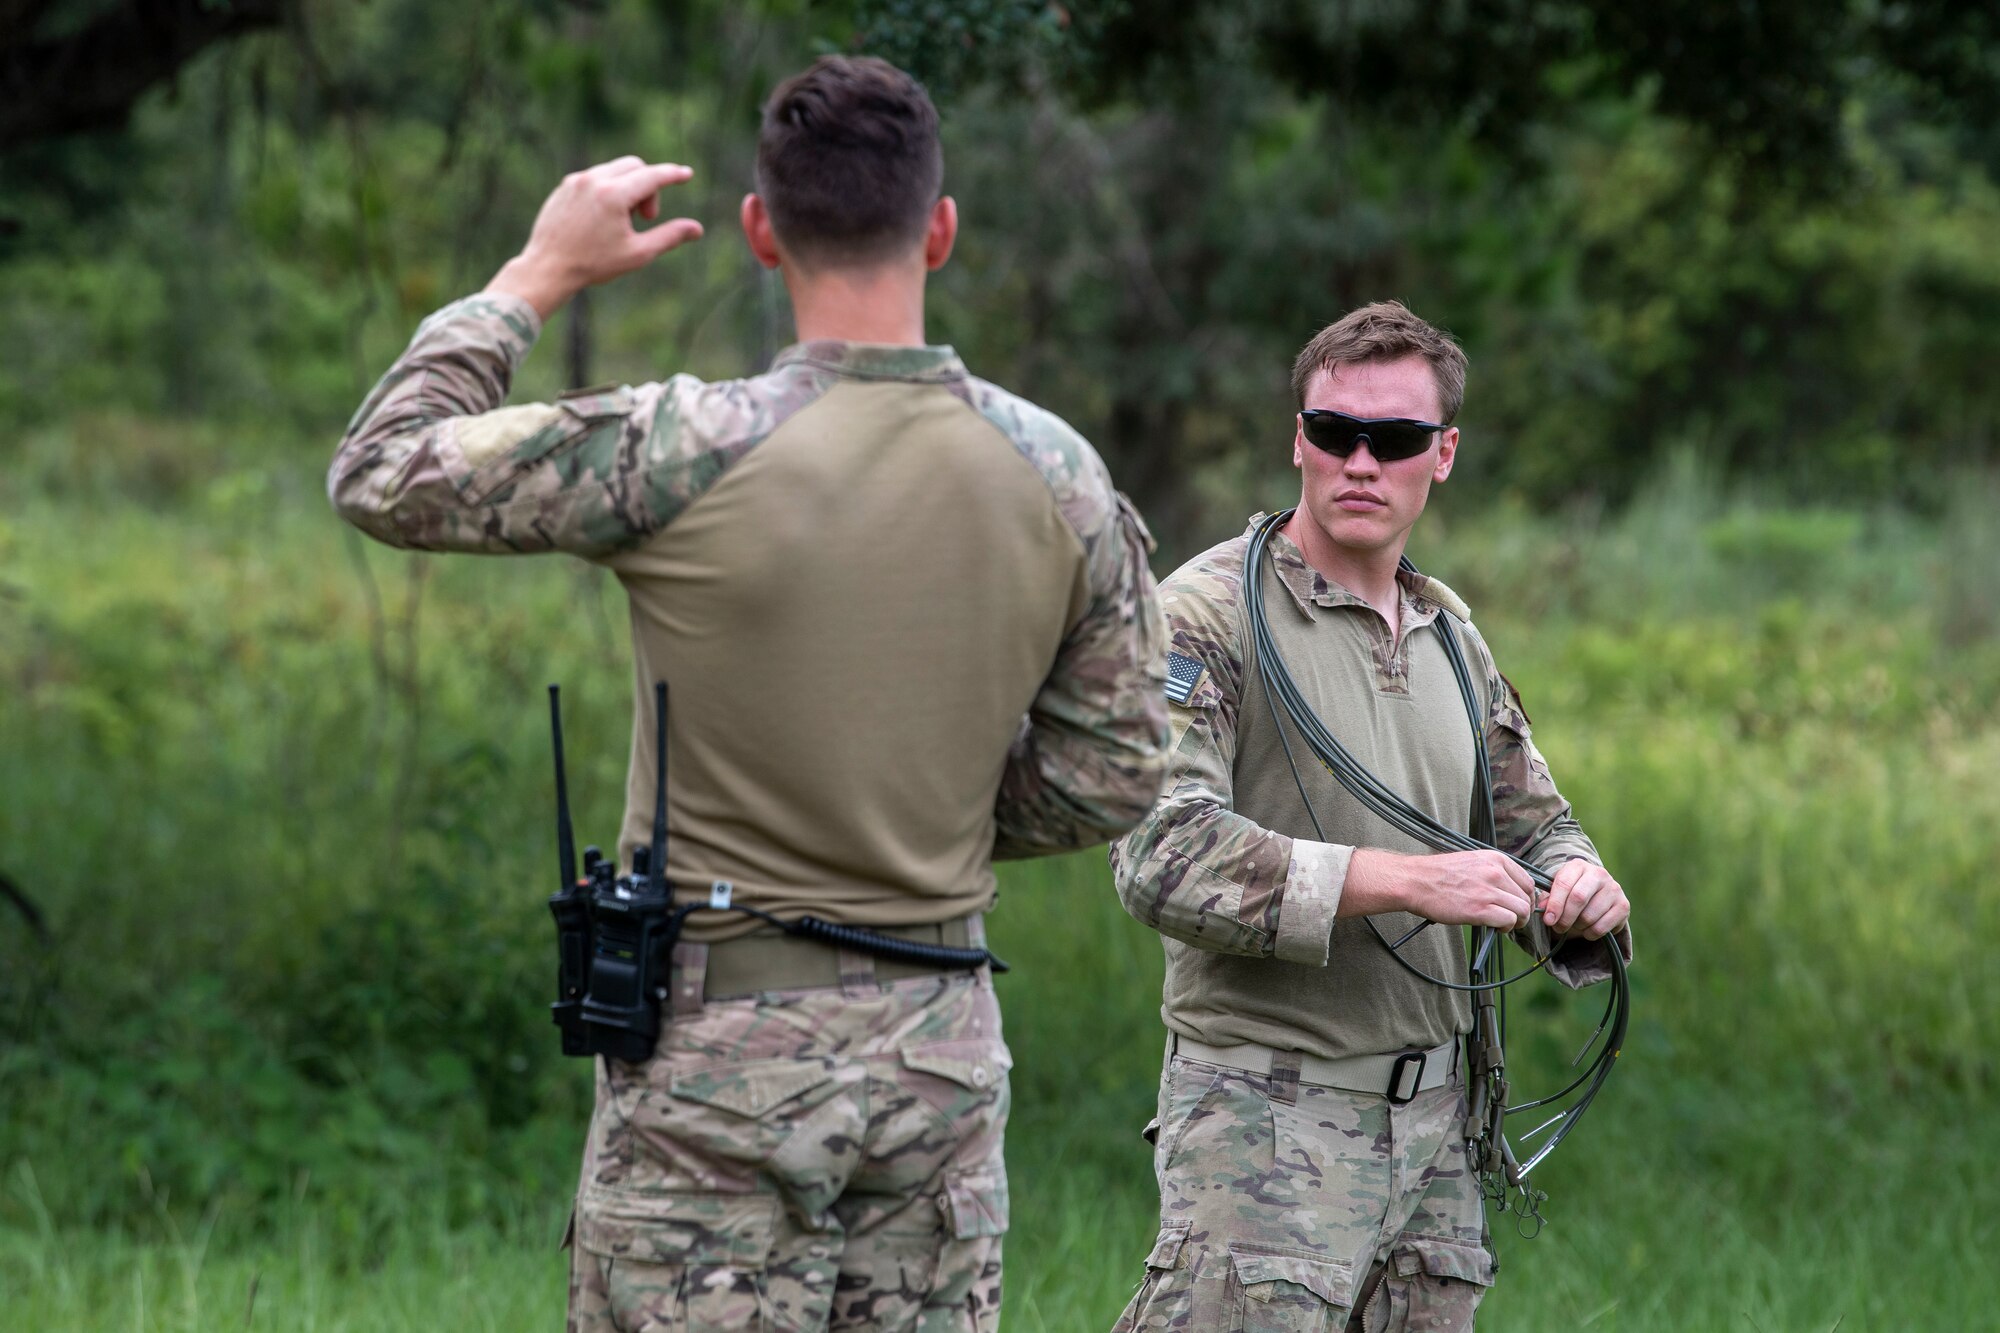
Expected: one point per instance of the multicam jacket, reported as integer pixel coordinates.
(906, 619)
(1229, 866)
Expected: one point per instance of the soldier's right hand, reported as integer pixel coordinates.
(584, 233)
(1483, 888)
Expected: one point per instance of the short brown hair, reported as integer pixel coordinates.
(1385, 331)
(848, 161)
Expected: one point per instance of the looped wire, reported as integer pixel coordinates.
(1503, 1178)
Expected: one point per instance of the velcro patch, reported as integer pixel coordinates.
(489, 435)
(1183, 674)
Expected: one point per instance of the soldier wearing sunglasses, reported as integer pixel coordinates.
(1310, 1139)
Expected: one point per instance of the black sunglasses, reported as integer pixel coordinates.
(1389, 438)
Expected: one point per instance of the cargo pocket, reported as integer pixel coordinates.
(979, 1065)
(674, 1131)
(1192, 1090)
(964, 1083)
(680, 1261)
(973, 1213)
(1165, 1298)
(975, 1202)
(750, 1089)
(1432, 1284)
(1289, 1291)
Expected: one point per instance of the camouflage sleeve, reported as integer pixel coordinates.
(432, 461)
(1195, 870)
(1091, 751)
(1532, 820)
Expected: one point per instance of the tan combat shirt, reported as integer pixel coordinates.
(906, 620)
(1228, 867)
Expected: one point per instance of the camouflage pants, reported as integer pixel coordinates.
(1284, 1206)
(802, 1160)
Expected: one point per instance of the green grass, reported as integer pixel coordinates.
(283, 800)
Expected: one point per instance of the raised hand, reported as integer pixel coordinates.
(584, 233)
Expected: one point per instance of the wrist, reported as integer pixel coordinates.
(1377, 881)
(533, 277)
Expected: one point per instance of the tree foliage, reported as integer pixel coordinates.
(67, 67)
(1761, 232)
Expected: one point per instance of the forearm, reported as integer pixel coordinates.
(1377, 881)
(394, 455)
(1533, 821)
(1064, 789)
(1561, 842)
(1205, 876)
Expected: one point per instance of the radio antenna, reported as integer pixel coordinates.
(658, 866)
(565, 834)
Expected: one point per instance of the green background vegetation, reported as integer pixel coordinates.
(282, 1058)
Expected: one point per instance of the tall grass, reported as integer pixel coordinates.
(283, 798)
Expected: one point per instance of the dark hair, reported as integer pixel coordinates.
(848, 161)
(1385, 331)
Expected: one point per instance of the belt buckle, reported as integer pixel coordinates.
(1415, 1080)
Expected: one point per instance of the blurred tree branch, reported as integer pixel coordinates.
(65, 69)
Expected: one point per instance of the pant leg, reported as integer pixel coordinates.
(1270, 1208)
(926, 1211)
(688, 1215)
(1437, 1260)
(716, 1173)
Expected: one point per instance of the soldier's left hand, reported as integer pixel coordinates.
(1585, 900)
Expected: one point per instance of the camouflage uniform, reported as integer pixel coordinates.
(909, 628)
(801, 1160)
(1277, 1197)
(1287, 1204)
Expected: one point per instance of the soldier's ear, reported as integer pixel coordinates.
(757, 231)
(1447, 453)
(941, 233)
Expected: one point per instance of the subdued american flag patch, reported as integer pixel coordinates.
(1183, 674)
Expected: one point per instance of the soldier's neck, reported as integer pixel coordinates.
(873, 305)
(1369, 574)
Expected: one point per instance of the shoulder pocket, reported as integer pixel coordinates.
(499, 448)
(1516, 741)
(1190, 684)
(1512, 717)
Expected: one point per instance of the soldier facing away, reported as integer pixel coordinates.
(909, 629)
(1312, 1168)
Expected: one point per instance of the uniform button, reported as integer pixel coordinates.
(979, 1076)
(944, 1203)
